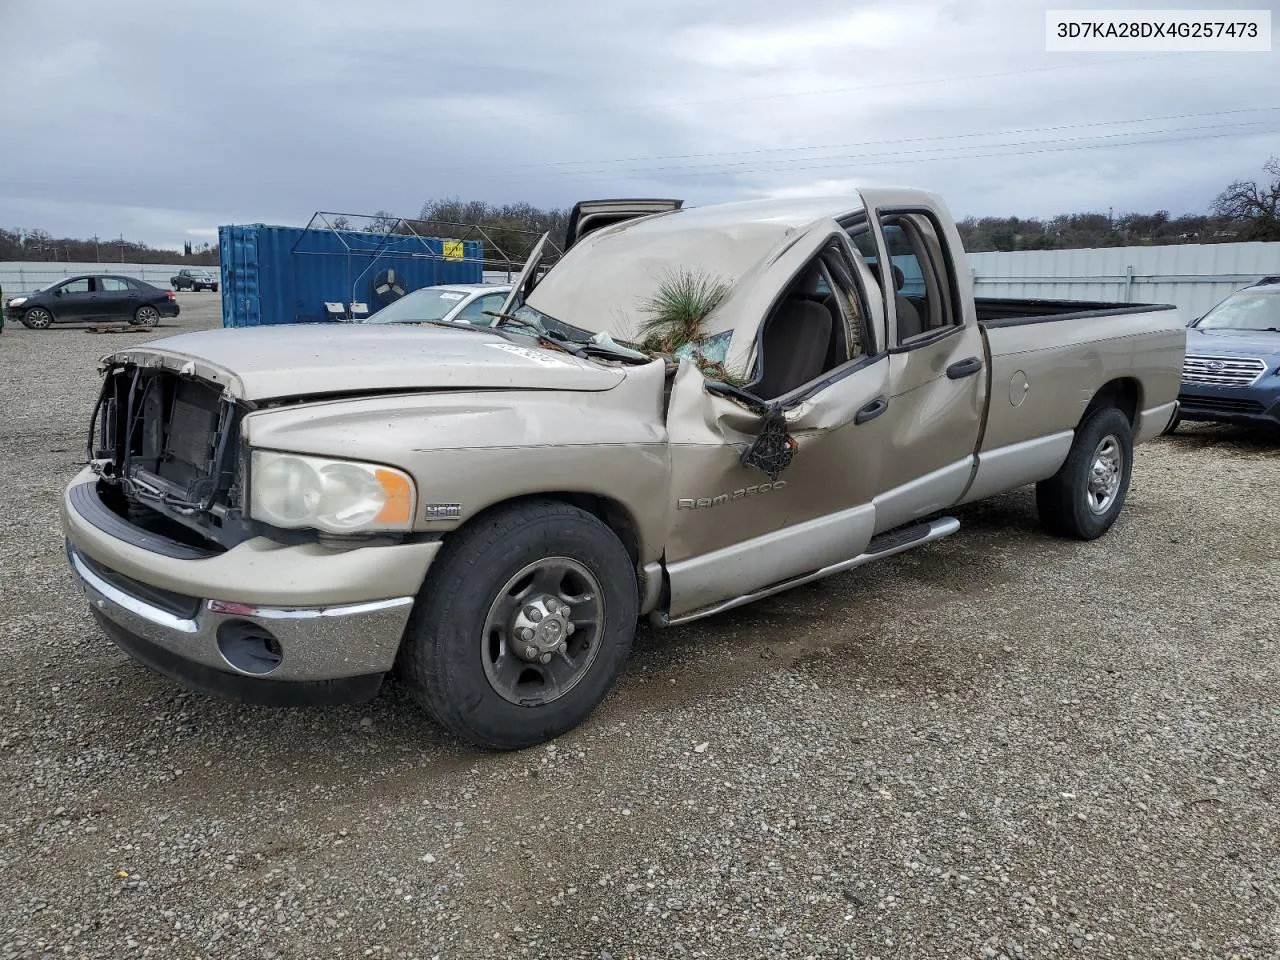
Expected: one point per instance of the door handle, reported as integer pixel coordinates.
(872, 410)
(964, 368)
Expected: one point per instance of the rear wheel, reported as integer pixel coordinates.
(146, 316)
(37, 318)
(1083, 499)
(522, 626)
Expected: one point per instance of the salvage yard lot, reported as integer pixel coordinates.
(999, 744)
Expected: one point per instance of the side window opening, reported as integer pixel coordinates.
(817, 325)
(921, 271)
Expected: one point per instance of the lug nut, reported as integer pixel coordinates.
(545, 658)
(530, 652)
(562, 648)
(569, 628)
(526, 633)
(533, 613)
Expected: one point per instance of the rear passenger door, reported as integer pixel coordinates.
(114, 298)
(937, 370)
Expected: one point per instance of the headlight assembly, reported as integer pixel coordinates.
(17, 301)
(336, 496)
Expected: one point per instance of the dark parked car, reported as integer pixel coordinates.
(194, 280)
(1231, 373)
(93, 298)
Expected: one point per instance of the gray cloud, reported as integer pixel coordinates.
(163, 121)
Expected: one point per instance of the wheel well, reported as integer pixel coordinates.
(1123, 393)
(609, 512)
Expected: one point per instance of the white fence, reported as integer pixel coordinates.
(1192, 276)
(18, 277)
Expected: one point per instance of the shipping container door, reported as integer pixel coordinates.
(241, 294)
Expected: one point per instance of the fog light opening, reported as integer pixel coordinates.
(249, 648)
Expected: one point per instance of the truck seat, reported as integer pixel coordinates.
(910, 322)
(793, 347)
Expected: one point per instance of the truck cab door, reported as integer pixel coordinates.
(589, 215)
(938, 377)
(733, 527)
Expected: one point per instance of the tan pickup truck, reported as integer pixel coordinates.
(287, 514)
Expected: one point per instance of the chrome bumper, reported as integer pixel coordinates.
(315, 643)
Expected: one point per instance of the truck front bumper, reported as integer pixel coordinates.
(261, 623)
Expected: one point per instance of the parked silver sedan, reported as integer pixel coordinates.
(449, 303)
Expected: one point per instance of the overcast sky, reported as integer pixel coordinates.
(163, 120)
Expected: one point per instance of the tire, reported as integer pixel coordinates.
(214, 288)
(146, 316)
(458, 656)
(1083, 499)
(37, 318)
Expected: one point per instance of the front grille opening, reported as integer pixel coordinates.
(172, 451)
(1222, 404)
(1222, 371)
(152, 521)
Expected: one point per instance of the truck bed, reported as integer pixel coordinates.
(1064, 364)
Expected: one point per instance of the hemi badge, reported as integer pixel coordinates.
(442, 511)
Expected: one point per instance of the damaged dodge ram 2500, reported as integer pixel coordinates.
(287, 514)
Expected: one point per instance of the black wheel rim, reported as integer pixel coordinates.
(543, 630)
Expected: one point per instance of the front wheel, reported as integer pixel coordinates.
(522, 626)
(146, 316)
(1083, 499)
(37, 318)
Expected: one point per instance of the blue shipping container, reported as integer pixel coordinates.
(287, 274)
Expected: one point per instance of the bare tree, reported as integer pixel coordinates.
(1254, 206)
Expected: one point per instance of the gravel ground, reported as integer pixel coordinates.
(998, 746)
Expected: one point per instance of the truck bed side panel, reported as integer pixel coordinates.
(1044, 374)
(1065, 362)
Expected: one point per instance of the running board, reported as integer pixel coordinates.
(884, 545)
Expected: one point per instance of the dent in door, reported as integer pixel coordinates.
(707, 435)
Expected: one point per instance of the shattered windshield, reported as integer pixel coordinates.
(1244, 311)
